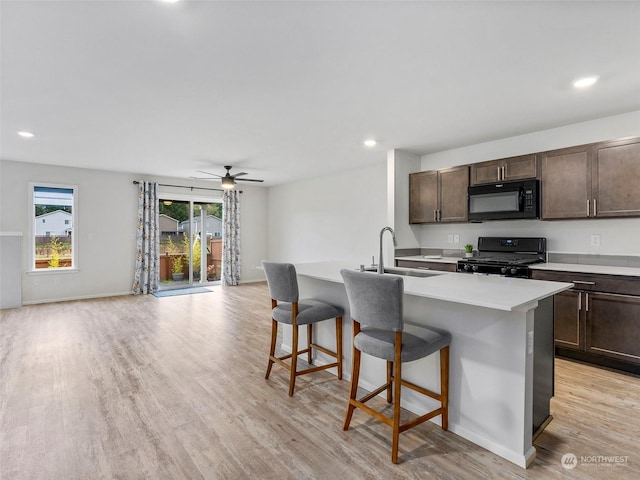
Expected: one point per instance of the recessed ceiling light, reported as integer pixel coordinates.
(585, 82)
(25, 134)
(170, 1)
(370, 142)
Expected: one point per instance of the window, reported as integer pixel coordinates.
(54, 213)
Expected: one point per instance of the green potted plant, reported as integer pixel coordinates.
(468, 250)
(176, 268)
(177, 261)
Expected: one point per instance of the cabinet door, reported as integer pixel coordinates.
(566, 183)
(423, 197)
(616, 179)
(567, 321)
(453, 186)
(519, 168)
(613, 326)
(485, 172)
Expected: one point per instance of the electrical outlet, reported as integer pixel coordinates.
(456, 238)
(595, 240)
(450, 238)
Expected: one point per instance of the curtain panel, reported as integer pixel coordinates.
(231, 264)
(147, 240)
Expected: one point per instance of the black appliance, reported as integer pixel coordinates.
(504, 201)
(506, 256)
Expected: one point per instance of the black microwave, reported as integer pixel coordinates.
(504, 201)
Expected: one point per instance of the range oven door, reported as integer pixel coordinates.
(504, 201)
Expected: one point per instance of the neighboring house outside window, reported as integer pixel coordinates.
(53, 236)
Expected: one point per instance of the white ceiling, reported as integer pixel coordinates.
(288, 90)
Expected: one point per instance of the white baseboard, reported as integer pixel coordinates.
(79, 297)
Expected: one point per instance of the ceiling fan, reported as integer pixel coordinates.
(228, 181)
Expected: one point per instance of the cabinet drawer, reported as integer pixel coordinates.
(443, 267)
(622, 285)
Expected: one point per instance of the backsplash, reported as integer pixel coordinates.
(587, 259)
(445, 252)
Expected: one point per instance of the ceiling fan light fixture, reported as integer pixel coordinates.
(228, 183)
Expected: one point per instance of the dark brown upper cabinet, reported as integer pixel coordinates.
(616, 179)
(504, 170)
(592, 181)
(439, 196)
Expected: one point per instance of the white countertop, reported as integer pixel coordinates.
(499, 293)
(582, 268)
(562, 267)
(430, 258)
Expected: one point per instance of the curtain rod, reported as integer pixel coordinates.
(136, 182)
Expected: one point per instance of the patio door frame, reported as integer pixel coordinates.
(192, 200)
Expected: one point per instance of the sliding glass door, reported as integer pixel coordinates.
(190, 243)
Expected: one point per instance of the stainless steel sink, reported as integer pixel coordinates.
(413, 272)
(407, 272)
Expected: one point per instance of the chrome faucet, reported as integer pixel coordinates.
(393, 235)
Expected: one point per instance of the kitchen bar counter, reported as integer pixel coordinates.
(501, 365)
(496, 292)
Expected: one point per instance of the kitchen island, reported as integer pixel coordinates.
(501, 358)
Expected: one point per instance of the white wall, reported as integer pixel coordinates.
(618, 236)
(336, 217)
(105, 230)
(399, 165)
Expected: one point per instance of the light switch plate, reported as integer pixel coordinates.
(595, 240)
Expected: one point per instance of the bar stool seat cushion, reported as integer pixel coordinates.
(310, 310)
(381, 343)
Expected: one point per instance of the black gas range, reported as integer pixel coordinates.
(506, 256)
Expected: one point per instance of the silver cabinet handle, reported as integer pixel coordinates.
(579, 301)
(435, 215)
(504, 172)
(595, 210)
(588, 202)
(582, 282)
(499, 173)
(586, 302)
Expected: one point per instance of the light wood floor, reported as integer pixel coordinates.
(172, 388)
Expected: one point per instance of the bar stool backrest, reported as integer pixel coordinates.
(375, 300)
(282, 281)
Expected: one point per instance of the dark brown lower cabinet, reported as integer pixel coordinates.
(613, 326)
(568, 320)
(601, 327)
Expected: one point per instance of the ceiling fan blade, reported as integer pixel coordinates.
(208, 173)
(249, 180)
(238, 174)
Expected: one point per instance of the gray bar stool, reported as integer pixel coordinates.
(283, 287)
(376, 304)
